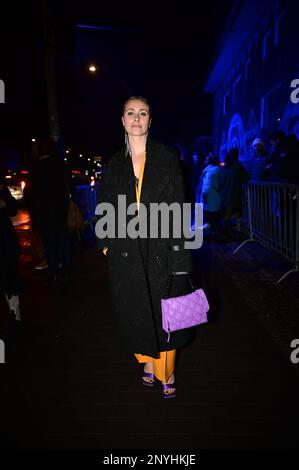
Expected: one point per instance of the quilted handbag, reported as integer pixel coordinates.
(183, 311)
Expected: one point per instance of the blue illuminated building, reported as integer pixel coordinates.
(257, 58)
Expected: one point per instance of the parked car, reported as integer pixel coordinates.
(16, 182)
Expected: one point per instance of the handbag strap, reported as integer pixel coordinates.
(168, 285)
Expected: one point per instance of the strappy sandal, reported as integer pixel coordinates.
(148, 379)
(166, 390)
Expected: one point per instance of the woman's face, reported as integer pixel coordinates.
(136, 118)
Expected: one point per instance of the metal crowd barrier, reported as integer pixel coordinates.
(86, 197)
(271, 215)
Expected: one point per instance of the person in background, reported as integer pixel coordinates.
(210, 192)
(50, 205)
(261, 162)
(278, 143)
(9, 250)
(234, 176)
(37, 247)
(291, 166)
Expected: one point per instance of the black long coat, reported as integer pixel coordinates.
(139, 268)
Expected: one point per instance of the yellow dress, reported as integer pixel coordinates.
(163, 366)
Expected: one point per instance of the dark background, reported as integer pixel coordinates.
(154, 49)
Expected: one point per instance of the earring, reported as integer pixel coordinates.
(127, 145)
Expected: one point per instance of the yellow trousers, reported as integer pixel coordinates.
(163, 367)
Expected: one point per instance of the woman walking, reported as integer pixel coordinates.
(145, 172)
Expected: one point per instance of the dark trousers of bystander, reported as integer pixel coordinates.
(57, 248)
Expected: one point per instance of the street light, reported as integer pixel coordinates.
(93, 68)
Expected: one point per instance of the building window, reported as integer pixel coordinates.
(266, 44)
(227, 102)
(280, 25)
(247, 69)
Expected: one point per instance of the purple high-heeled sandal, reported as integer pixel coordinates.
(148, 375)
(166, 387)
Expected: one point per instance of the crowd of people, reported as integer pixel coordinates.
(219, 187)
(279, 162)
(220, 191)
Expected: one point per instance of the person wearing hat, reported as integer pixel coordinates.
(261, 162)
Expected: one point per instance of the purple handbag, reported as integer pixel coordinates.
(184, 311)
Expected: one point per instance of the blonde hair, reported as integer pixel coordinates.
(139, 98)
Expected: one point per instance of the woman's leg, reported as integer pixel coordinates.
(163, 367)
(164, 371)
(148, 366)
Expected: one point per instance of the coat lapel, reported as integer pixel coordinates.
(156, 176)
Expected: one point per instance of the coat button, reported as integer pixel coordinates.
(124, 254)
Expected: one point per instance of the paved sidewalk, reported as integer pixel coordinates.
(254, 270)
(66, 385)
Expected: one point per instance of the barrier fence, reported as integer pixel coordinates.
(86, 197)
(271, 215)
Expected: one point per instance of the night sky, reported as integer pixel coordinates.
(161, 51)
